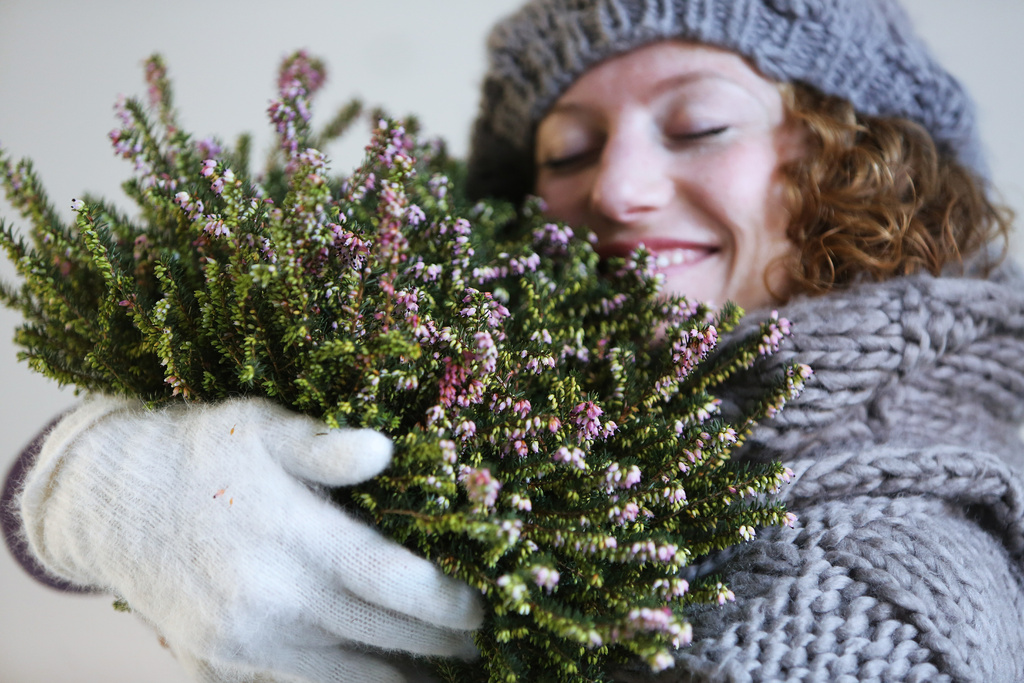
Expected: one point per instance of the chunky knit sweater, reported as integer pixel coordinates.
(907, 562)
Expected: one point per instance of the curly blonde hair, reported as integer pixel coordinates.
(874, 198)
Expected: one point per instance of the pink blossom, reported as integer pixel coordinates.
(571, 456)
(521, 502)
(438, 186)
(671, 588)
(542, 335)
(545, 577)
(777, 328)
(724, 594)
(414, 214)
(466, 429)
(435, 414)
(209, 167)
(522, 408)
(496, 312)
(481, 487)
(674, 495)
(217, 228)
(624, 514)
(586, 418)
(557, 236)
(616, 478)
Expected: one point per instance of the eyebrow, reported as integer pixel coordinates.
(660, 88)
(562, 107)
(673, 82)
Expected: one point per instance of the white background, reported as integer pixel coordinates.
(63, 63)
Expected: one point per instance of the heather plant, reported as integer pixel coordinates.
(557, 437)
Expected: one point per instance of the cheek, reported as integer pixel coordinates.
(765, 245)
(566, 198)
(746, 192)
(749, 193)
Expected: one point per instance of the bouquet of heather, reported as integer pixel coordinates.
(557, 443)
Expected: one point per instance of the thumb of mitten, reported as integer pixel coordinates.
(309, 450)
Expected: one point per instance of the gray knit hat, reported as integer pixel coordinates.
(862, 50)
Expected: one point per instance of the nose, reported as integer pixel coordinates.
(632, 179)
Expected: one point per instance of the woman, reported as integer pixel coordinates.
(800, 152)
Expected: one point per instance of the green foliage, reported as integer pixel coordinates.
(551, 450)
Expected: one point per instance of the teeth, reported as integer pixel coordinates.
(676, 257)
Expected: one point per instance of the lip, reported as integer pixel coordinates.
(668, 253)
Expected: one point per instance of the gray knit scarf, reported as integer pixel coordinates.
(907, 562)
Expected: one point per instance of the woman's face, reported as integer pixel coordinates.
(676, 146)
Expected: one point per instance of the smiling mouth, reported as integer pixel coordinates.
(665, 255)
(679, 257)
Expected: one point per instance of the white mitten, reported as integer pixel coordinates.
(208, 521)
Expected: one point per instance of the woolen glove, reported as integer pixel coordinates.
(211, 521)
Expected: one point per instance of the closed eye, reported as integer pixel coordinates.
(571, 161)
(698, 135)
